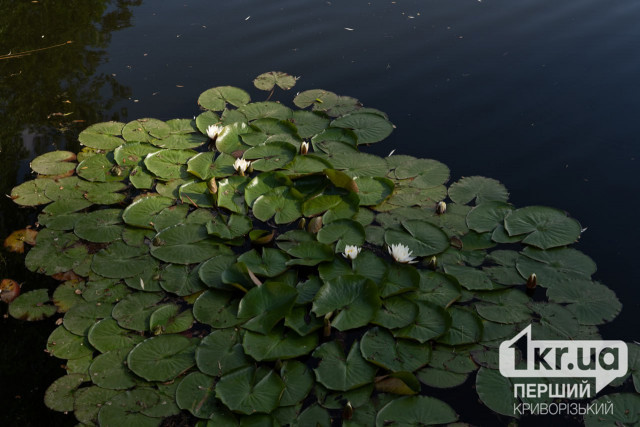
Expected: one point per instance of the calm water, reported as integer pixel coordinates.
(540, 94)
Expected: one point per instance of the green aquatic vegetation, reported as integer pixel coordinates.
(253, 265)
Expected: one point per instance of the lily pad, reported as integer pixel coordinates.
(250, 390)
(60, 395)
(105, 335)
(57, 163)
(379, 347)
(591, 302)
(263, 306)
(278, 344)
(120, 260)
(477, 188)
(134, 311)
(355, 296)
(545, 227)
(142, 211)
(217, 98)
(196, 394)
(266, 81)
(102, 136)
(109, 370)
(216, 308)
(368, 127)
(416, 410)
(169, 164)
(32, 305)
(221, 352)
(337, 372)
(162, 358)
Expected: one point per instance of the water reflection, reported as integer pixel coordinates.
(49, 91)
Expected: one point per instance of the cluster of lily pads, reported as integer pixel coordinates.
(254, 267)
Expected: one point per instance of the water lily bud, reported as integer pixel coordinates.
(441, 208)
(347, 411)
(304, 148)
(302, 223)
(315, 225)
(532, 281)
(433, 262)
(212, 185)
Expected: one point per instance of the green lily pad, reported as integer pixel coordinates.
(318, 98)
(470, 278)
(101, 168)
(32, 305)
(359, 164)
(310, 123)
(216, 308)
(142, 211)
(416, 410)
(180, 141)
(466, 328)
(267, 109)
(109, 370)
(395, 312)
(54, 163)
(217, 98)
(88, 401)
(283, 203)
(185, 244)
(487, 216)
(145, 130)
(278, 344)
(221, 352)
(169, 164)
(553, 267)
(309, 253)
(431, 322)
(271, 263)
(65, 345)
(168, 319)
(477, 188)
(373, 191)
(196, 394)
(298, 381)
(128, 407)
(102, 226)
(421, 237)
(368, 127)
(263, 306)
(496, 391)
(120, 260)
(81, 317)
(134, 311)
(337, 372)
(545, 227)
(60, 395)
(250, 390)
(441, 378)
(31, 193)
(102, 136)
(162, 358)
(270, 156)
(230, 194)
(343, 232)
(105, 335)
(591, 302)
(266, 81)
(379, 347)
(355, 296)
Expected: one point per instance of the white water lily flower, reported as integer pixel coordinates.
(401, 253)
(304, 148)
(351, 251)
(213, 131)
(241, 165)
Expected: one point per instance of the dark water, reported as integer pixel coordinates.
(542, 95)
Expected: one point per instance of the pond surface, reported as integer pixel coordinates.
(539, 94)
